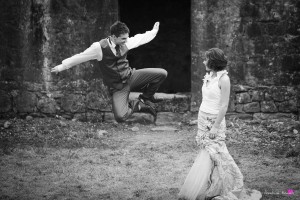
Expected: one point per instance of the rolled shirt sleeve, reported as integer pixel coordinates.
(94, 52)
(140, 39)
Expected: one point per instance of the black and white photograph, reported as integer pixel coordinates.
(149, 100)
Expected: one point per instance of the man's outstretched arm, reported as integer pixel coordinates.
(140, 39)
(91, 53)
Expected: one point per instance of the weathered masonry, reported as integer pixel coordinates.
(260, 38)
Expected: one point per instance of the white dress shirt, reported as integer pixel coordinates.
(95, 51)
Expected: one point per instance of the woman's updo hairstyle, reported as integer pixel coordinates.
(216, 59)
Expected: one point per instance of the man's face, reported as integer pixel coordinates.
(122, 39)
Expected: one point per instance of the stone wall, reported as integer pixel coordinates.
(261, 40)
(264, 102)
(36, 36)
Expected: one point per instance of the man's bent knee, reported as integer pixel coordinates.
(163, 73)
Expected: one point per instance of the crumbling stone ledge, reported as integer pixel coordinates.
(264, 102)
(89, 101)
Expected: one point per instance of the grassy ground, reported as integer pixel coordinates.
(58, 159)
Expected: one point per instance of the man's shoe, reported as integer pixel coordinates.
(151, 99)
(145, 108)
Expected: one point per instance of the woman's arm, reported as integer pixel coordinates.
(224, 84)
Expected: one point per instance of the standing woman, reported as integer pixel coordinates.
(214, 174)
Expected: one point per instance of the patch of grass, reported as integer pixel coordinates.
(53, 159)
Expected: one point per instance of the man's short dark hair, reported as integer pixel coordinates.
(216, 59)
(119, 28)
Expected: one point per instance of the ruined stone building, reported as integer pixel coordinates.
(260, 38)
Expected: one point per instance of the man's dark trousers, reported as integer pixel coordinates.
(150, 77)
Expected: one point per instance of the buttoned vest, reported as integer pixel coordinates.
(115, 69)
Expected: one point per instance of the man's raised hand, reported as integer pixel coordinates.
(156, 26)
(56, 69)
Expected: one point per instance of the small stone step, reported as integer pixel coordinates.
(178, 103)
(163, 118)
(171, 111)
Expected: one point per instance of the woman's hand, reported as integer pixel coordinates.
(213, 132)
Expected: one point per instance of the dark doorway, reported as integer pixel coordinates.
(171, 47)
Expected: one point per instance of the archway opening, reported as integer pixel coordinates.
(171, 49)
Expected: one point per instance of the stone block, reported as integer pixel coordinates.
(34, 87)
(73, 103)
(26, 102)
(254, 30)
(249, 9)
(291, 62)
(257, 95)
(173, 105)
(171, 102)
(271, 28)
(38, 115)
(282, 93)
(98, 85)
(298, 97)
(109, 117)
(261, 45)
(9, 85)
(280, 29)
(164, 128)
(78, 85)
(243, 97)
(268, 96)
(231, 106)
(142, 118)
(80, 117)
(5, 102)
(55, 94)
(47, 106)
(288, 106)
(97, 101)
(67, 116)
(270, 12)
(241, 88)
(239, 108)
(268, 106)
(253, 107)
(231, 116)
